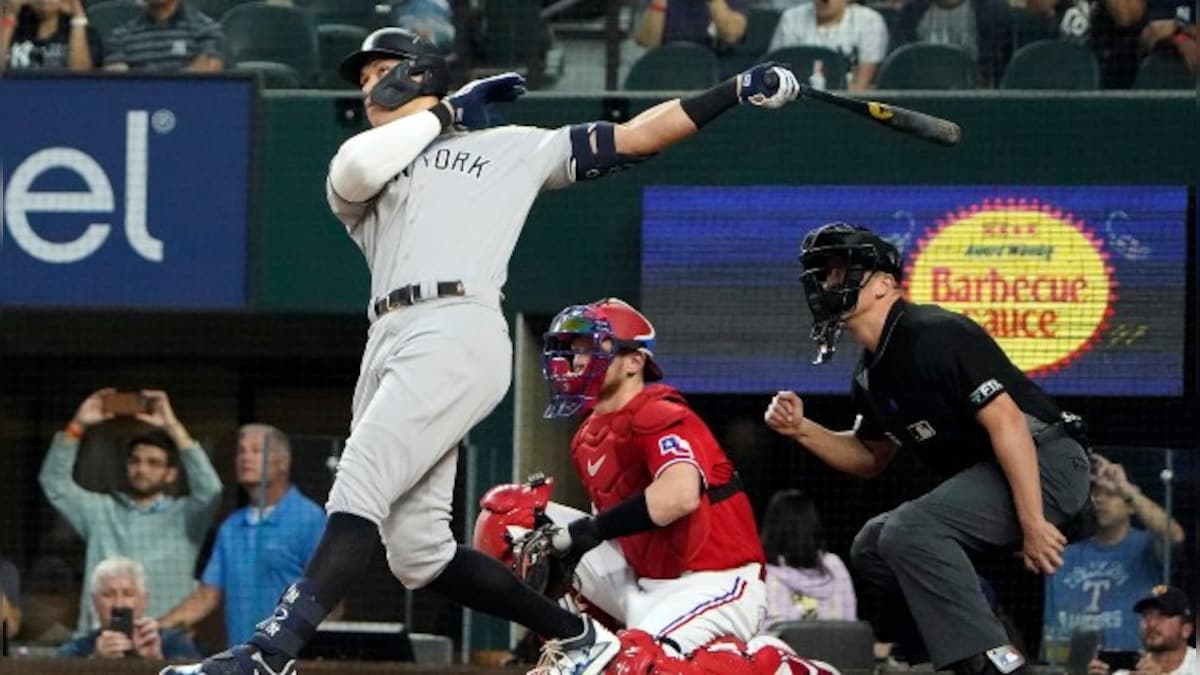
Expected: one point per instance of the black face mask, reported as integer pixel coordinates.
(397, 87)
(829, 303)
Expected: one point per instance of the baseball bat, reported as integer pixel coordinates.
(919, 124)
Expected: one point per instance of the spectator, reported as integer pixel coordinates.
(1175, 36)
(120, 583)
(804, 581)
(260, 548)
(981, 27)
(48, 34)
(1166, 623)
(431, 19)
(10, 598)
(856, 32)
(713, 23)
(167, 37)
(1102, 577)
(142, 522)
(1122, 31)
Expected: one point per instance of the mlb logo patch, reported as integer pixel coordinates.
(922, 431)
(675, 446)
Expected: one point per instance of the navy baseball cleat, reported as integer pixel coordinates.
(241, 660)
(585, 654)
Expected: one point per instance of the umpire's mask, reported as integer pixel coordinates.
(835, 261)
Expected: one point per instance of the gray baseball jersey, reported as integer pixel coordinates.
(456, 212)
(431, 371)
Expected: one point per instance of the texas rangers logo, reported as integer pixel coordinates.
(673, 445)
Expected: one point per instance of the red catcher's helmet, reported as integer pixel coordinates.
(610, 319)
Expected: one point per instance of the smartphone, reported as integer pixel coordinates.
(122, 621)
(128, 403)
(1119, 660)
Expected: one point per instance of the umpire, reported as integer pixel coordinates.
(935, 383)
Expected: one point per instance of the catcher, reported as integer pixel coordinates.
(672, 549)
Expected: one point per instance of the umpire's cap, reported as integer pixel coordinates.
(387, 43)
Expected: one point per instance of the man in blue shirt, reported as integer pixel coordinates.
(1103, 577)
(120, 584)
(260, 548)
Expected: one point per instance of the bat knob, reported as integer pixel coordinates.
(771, 79)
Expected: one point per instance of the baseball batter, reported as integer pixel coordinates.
(436, 202)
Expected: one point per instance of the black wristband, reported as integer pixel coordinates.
(631, 516)
(442, 112)
(706, 106)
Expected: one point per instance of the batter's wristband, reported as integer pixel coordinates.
(442, 111)
(706, 106)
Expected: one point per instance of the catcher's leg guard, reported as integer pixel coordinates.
(723, 656)
(772, 656)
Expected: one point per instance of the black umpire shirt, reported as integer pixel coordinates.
(931, 373)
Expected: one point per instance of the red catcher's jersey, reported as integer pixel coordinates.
(618, 454)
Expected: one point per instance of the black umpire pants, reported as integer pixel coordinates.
(921, 547)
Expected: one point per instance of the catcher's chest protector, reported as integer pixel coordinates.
(609, 452)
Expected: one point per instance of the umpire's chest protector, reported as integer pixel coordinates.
(610, 454)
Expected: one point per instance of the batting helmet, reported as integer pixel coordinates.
(419, 59)
(610, 319)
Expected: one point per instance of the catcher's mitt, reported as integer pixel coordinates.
(545, 569)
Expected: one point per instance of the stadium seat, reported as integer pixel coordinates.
(677, 66)
(922, 65)
(214, 9)
(107, 15)
(363, 13)
(1163, 71)
(803, 60)
(760, 28)
(513, 34)
(849, 646)
(1028, 28)
(334, 42)
(271, 75)
(261, 32)
(1052, 64)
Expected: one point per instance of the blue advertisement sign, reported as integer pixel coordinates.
(1083, 287)
(125, 191)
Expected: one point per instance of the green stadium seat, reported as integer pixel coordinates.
(271, 75)
(513, 34)
(760, 28)
(1028, 28)
(334, 42)
(1052, 64)
(214, 9)
(258, 31)
(352, 12)
(802, 61)
(677, 66)
(107, 15)
(922, 65)
(1164, 71)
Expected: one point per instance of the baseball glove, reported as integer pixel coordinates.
(541, 566)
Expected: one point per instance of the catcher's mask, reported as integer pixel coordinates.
(418, 59)
(608, 328)
(836, 261)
